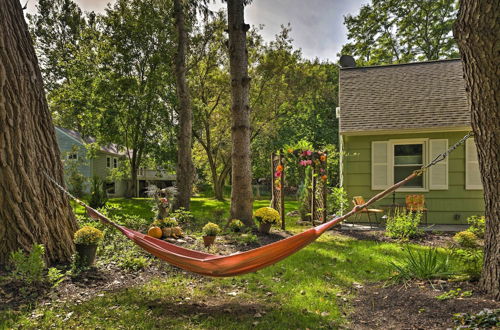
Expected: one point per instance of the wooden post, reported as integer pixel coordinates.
(313, 196)
(282, 193)
(272, 180)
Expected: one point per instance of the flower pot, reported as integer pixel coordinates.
(86, 254)
(265, 227)
(208, 240)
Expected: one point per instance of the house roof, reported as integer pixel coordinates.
(423, 95)
(109, 148)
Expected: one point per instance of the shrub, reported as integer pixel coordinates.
(211, 229)
(471, 262)
(236, 225)
(182, 215)
(337, 200)
(267, 215)
(423, 265)
(403, 225)
(88, 235)
(28, 268)
(477, 225)
(485, 319)
(466, 239)
(98, 195)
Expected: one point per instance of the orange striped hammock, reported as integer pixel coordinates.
(237, 263)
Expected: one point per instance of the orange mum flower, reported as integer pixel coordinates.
(279, 168)
(323, 158)
(324, 177)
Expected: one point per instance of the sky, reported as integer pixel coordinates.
(317, 25)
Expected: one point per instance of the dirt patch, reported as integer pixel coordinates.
(427, 238)
(414, 306)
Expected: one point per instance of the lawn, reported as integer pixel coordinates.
(311, 289)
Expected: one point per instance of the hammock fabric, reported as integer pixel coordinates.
(237, 263)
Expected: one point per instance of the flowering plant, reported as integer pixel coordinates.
(316, 159)
(167, 222)
(267, 215)
(211, 229)
(88, 235)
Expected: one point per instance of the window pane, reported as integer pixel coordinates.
(401, 172)
(408, 154)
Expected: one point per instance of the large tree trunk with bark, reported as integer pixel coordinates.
(241, 189)
(185, 168)
(32, 210)
(477, 32)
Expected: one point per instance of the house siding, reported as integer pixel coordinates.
(442, 205)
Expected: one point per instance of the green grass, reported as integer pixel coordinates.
(310, 289)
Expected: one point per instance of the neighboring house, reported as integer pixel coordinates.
(395, 118)
(72, 146)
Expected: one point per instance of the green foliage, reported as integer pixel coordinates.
(28, 267)
(454, 293)
(397, 31)
(423, 265)
(305, 196)
(167, 222)
(477, 225)
(403, 225)
(485, 319)
(211, 229)
(182, 216)
(134, 263)
(55, 276)
(471, 261)
(88, 235)
(72, 175)
(98, 195)
(466, 239)
(236, 225)
(337, 201)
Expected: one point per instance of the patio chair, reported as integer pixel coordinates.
(416, 203)
(359, 200)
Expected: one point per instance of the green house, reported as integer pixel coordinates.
(395, 118)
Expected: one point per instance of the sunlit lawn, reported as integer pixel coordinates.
(310, 289)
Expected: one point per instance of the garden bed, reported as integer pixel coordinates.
(426, 239)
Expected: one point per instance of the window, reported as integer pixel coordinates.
(115, 162)
(108, 162)
(72, 156)
(408, 158)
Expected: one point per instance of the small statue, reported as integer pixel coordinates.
(163, 198)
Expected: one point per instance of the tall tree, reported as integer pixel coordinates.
(241, 190)
(478, 38)
(185, 168)
(31, 209)
(399, 31)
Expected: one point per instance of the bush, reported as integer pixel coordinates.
(88, 235)
(211, 229)
(28, 268)
(423, 265)
(267, 215)
(466, 239)
(471, 262)
(98, 195)
(182, 215)
(337, 201)
(402, 225)
(477, 225)
(236, 225)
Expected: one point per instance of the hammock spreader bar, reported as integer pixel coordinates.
(241, 262)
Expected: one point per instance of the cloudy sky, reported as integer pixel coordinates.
(316, 24)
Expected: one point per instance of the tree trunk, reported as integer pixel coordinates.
(185, 168)
(477, 34)
(241, 190)
(32, 210)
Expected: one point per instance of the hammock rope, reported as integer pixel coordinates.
(241, 262)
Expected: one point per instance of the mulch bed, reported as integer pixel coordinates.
(414, 306)
(426, 239)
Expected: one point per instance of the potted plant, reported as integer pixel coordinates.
(210, 231)
(266, 217)
(86, 240)
(236, 225)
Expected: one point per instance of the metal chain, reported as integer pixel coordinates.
(445, 154)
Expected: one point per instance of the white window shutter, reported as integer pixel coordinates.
(380, 171)
(438, 174)
(472, 174)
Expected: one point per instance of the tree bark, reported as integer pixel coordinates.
(241, 189)
(185, 168)
(32, 210)
(476, 31)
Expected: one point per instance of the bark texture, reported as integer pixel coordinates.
(31, 209)
(241, 189)
(477, 31)
(185, 168)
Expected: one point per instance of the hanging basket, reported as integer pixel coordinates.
(86, 254)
